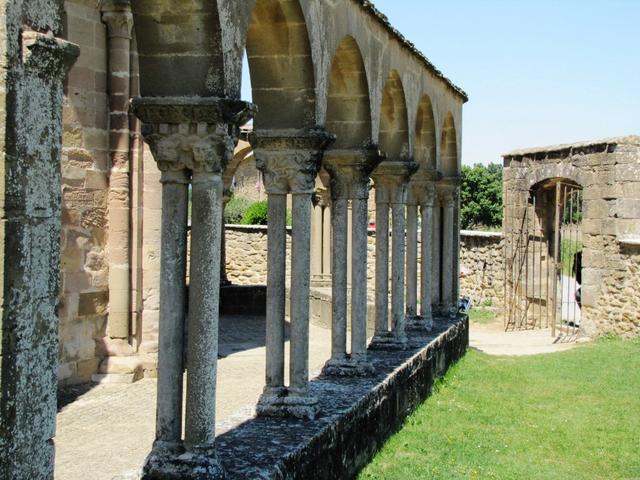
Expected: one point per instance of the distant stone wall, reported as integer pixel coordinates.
(481, 260)
(246, 254)
(482, 267)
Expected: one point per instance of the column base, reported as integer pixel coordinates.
(389, 341)
(348, 367)
(418, 322)
(284, 402)
(173, 462)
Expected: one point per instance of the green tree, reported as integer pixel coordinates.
(481, 196)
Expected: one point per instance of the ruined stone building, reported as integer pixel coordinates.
(121, 135)
(572, 234)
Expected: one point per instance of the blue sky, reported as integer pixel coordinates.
(537, 73)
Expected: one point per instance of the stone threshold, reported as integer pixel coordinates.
(357, 414)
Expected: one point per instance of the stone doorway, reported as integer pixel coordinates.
(543, 260)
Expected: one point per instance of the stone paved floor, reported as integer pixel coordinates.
(107, 432)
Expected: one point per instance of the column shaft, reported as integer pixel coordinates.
(339, 221)
(436, 261)
(359, 279)
(300, 265)
(398, 271)
(316, 244)
(382, 269)
(326, 243)
(276, 276)
(412, 261)
(447, 257)
(172, 306)
(204, 295)
(426, 268)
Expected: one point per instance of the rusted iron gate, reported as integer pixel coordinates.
(543, 262)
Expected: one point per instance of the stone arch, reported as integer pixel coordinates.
(281, 65)
(549, 172)
(394, 127)
(171, 43)
(425, 146)
(348, 104)
(449, 148)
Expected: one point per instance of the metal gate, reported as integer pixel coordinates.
(543, 261)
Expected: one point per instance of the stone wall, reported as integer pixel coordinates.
(481, 259)
(85, 166)
(482, 267)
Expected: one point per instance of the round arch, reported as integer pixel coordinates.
(394, 129)
(425, 145)
(449, 148)
(348, 104)
(281, 65)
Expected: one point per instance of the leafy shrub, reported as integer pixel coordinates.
(235, 209)
(481, 196)
(256, 214)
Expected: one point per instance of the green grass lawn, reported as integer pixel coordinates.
(570, 415)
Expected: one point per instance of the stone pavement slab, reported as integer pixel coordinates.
(107, 432)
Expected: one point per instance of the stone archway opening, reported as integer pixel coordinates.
(543, 259)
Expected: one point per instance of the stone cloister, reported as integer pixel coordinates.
(345, 112)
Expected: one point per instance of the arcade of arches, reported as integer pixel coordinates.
(348, 115)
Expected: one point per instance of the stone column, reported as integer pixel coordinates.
(34, 66)
(349, 171)
(119, 20)
(421, 192)
(426, 268)
(391, 179)
(413, 195)
(227, 180)
(316, 242)
(448, 199)
(191, 139)
(325, 201)
(436, 260)
(289, 161)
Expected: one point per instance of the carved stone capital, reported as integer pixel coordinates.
(116, 14)
(197, 134)
(349, 171)
(289, 159)
(322, 197)
(421, 192)
(48, 56)
(391, 179)
(447, 195)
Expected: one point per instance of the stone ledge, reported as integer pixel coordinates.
(629, 240)
(357, 415)
(480, 233)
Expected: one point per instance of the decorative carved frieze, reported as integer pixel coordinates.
(290, 159)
